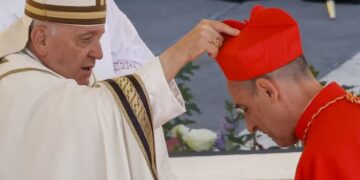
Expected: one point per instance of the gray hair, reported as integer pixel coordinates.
(295, 71)
(52, 26)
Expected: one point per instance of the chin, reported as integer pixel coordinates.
(285, 142)
(83, 82)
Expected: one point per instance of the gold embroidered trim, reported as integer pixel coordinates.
(349, 96)
(317, 113)
(24, 70)
(139, 110)
(150, 107)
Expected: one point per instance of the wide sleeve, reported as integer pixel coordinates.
(164, 99)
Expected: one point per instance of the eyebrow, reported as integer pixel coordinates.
(86, 35)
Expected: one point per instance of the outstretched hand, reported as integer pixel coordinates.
(205, 37)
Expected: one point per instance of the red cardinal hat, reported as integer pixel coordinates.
(269, 40)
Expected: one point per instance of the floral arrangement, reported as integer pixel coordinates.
(229, 137)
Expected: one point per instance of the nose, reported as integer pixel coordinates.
(96, 51)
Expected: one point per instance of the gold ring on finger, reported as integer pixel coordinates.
(216, 42)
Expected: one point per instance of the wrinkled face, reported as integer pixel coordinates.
(73, 50)
(265, 111)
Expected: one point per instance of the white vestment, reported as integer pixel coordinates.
(123, 51)
(53, 129)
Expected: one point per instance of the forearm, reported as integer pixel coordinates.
(171, 62)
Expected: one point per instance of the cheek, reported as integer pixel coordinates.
(262, 113)
(75, 56)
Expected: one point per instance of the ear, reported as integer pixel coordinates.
(267, 88)
(38, 41)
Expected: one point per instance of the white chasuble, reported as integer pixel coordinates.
(53, 129)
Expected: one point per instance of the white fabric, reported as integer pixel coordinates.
(53, 129)
(123, 51)
(272, 166)
(10, 12)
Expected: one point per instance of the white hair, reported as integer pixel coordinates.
(52, 27)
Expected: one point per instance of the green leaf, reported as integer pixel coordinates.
(237, 140)
(314, 71)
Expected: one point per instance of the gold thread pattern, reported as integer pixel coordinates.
(138, 109)
(308, 125)
(147, 97)
(136, 105)
(349, 97)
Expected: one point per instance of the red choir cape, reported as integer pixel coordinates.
(332, 144)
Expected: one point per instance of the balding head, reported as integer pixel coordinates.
(273, 102)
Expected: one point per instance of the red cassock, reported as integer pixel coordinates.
(330, 130)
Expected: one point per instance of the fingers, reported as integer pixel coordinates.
(224, 28)
(210, 48)
(211, 30)
(210, 40)
(215, 35)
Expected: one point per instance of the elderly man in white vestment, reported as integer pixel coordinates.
(123, 52)
(57, 122)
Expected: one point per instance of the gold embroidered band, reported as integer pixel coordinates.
(134, 103)
(84, 15)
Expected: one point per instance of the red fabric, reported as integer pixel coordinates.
(268, 41)
(332, 147)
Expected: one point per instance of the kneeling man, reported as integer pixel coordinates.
(269, 79)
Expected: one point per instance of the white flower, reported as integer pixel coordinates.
(199, 139)
(179, 131)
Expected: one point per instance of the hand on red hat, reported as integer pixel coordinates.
(205, 37)
(202, 38)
